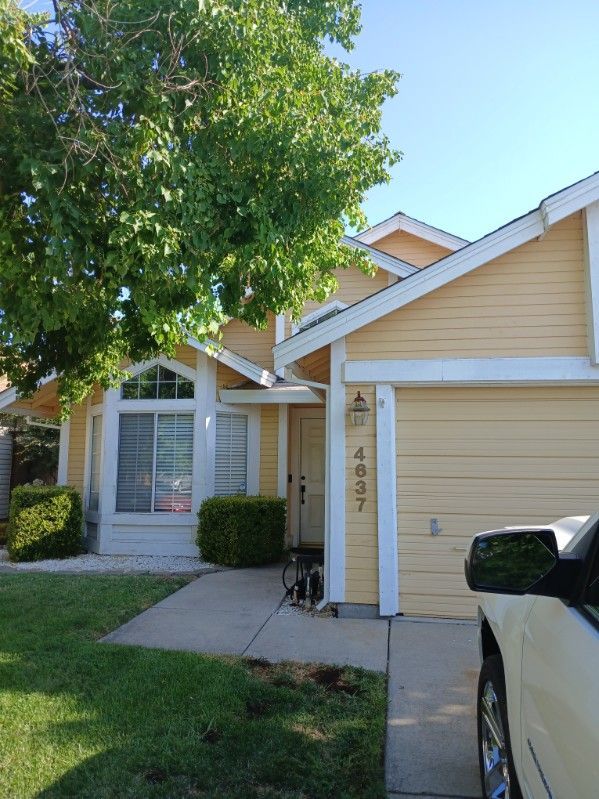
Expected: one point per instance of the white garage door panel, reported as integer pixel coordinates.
(480, 458)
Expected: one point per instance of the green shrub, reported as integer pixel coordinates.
(242, 531)
(44, 522)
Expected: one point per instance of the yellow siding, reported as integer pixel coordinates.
(317, 364)
(529, 302)
(227, 377)
(269, 443)
(482, 458)
(410, 248)
(361, 554)
(354, 286)
(97, 395)
(187, 355)
(77, 439)
(256, 345)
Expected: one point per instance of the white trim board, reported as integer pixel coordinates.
(383, 260)
(237, 362)
(415, 227)
(473, 371)
(386, 496)
(288, 395)
(591, 260)
(335, 501)
(453, 266)
(63, 453)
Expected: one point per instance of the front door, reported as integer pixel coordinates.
(311, 480)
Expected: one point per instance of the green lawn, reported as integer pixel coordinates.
(81, 719)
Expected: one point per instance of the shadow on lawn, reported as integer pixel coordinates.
(110, 721)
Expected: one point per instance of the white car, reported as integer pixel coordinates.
(538, 691)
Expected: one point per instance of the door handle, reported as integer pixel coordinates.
(303, 492)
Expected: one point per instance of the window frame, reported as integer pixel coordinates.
(253, 414)
(162, 411)
(93, 416)
(119, 406)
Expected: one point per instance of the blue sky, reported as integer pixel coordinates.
(498, 105)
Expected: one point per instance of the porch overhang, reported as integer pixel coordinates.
(286, 394)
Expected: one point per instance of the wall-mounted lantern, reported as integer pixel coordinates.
(359, 410)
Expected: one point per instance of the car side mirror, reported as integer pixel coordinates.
(521, 562)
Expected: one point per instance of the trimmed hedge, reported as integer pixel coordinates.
(242, 531)
(44, 522)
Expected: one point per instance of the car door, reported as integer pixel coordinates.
(560, 692)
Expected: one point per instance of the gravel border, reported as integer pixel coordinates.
(89, 563)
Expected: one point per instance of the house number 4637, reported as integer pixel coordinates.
(360, 471)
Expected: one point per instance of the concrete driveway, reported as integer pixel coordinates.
(431, 724)
(432, 667)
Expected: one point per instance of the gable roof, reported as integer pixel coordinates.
(401, 221)
(521, 230)
(382, 259)
(239, 363)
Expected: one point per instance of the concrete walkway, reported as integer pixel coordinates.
(432, 666)
(235, 613)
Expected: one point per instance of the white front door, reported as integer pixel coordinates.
(311, 482)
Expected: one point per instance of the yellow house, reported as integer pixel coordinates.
(479, 363)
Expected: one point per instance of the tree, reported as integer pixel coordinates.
(162, 162)
(35, 455)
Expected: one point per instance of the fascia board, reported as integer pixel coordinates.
(237, 362)
(383, 260)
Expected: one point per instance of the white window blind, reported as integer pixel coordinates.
(94, 471)
(174, 455)
(231, 454)
(136, 461)
(155, 462)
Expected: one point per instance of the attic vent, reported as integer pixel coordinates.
(321, 315)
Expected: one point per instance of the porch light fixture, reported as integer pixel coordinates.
(359, 411)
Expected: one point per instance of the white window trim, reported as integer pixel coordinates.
(253, 443)
(167, 363)
(92, 410)
(156, 412)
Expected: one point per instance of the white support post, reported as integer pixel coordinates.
(336, 475)
(63, 453)
(591, 257)
(386, 491)
(204, 430)
(282, 457)
(110, 455)
(280, 336)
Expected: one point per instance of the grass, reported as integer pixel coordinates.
(82, 719)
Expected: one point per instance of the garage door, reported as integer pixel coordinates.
(478, 458)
